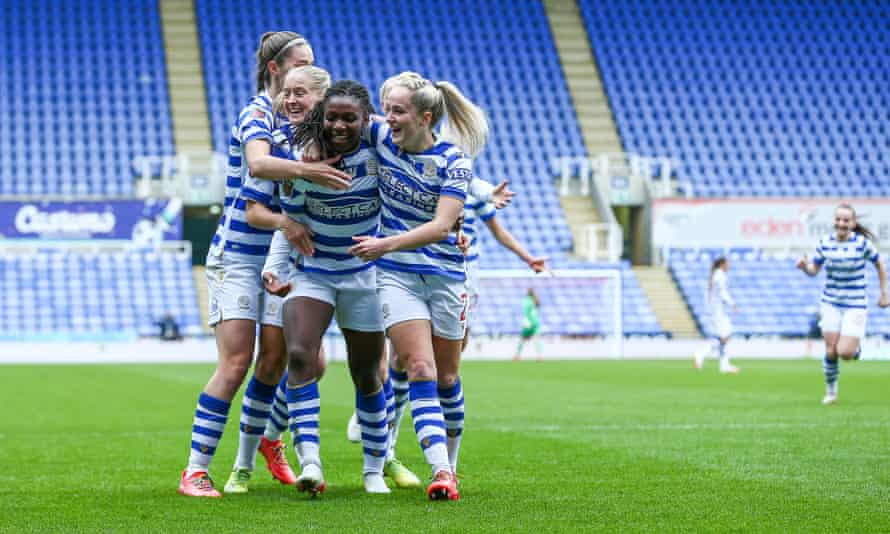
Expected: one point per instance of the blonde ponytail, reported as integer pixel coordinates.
(466, 125)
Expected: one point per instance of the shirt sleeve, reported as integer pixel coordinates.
(723, 286)
(819, 259)
(255, 123)
(458, 175)
(279, 255)
(481, 189)
(870, 251)
(486, 211)
(260, 190)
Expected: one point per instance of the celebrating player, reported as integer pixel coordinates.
(718, 298)
(844, 307)
(237, 253)
(302, 89)
(421, 273)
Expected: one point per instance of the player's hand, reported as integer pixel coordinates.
(299, 236)
(803, 263)
(501, 196)
(369, 248)
(463, 242)
(321, 173)
(274, 286)
(538, 265)
(311, 153)
(884, 301)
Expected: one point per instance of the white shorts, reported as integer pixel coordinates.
(848, 322)
(438, 299)
(272, 305)
(234, 289)
(355, 308)
(472, 292)
(720, 326)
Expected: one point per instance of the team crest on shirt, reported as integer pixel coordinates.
(287, 188)
(429, 169)
(372, 167)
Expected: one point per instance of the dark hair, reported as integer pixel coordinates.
(718, 263)
(858, 228)
(272, 47)
(311, 130)
(531, 293)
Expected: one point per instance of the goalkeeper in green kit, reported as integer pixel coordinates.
(531, 323)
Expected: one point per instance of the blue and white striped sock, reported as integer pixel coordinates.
(429, 424)
(303, 406)
(278, 418)
(452, 401)
(400, 400)
(389, 397)
(255, 409)
(207, 428)
(832, 372)
(371, 412)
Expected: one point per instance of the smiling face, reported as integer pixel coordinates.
(344, 118)
(300, 96)
(844, 222)
(410, 130)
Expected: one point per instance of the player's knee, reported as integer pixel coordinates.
(270, 367)
(421, 369)
(302, 360)
(447, 380)
(232, 375)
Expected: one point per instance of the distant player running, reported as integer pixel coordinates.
(717, 298)
(531, 323)
(844, 307)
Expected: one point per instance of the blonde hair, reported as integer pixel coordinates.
(273, 47)
(319, 81)
(466, 125)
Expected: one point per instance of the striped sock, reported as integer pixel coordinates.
(429, 424)
(210, 420)
(372, 418)
(390, 415)
(278, 419)
(400, 398)
(832, 371)
(303, 405)
(255, 410)
(452, 401)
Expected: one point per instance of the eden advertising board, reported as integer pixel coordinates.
(780, 223)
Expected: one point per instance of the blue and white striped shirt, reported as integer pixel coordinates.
(234, 237)
(476, 213)
(336, 216)
(844, 261)
(410, 186)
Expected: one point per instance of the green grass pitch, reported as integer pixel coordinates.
(617, 446)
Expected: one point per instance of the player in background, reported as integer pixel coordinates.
(303, 87)
(717, 298)
(423, 182)
(531, 324)
(844, 303)
(236, 255)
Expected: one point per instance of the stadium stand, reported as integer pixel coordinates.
(533, 120)
(756, 98)
(84, 94)
(69, 294)
(774, 297)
